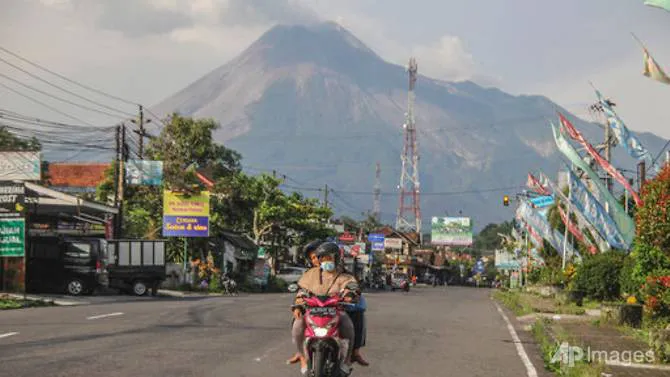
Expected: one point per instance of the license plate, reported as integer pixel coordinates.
(322, 312)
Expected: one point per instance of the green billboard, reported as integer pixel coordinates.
(12, 237)
(451, 231)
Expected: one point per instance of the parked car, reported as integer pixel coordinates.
(72, 265)
(291, 274)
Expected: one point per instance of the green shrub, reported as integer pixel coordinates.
(598, 276)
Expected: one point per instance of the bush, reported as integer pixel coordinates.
(598, 276)
(628, 284)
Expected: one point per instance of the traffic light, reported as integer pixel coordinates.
(506, 201)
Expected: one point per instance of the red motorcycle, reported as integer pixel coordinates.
(324, 349)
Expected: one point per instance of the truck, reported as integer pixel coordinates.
(135, 266)
(80, 265)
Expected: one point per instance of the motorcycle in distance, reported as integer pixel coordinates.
(404, 286)
(324, 349)
(229, 285)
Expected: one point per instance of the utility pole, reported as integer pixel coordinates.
(641, 174)
(325, 199)
(122, 180)
(141, 126)
(609, 140)
(117, 158)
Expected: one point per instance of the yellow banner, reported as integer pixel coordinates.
(181, 205)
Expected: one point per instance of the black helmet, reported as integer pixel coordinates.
(329, 248)
(310, 248)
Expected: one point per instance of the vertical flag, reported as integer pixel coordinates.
(629, 141)
(536, 185)
(602, 243)
(577, 136)
(572, 227)
(595, 213)
(542, 227)
(624, 222)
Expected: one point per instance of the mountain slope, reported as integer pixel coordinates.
(316, 104)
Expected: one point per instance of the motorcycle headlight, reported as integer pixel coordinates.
(320, 331)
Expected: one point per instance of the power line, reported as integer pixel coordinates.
(65, 90)
(58, 98)
(67, 79)
(45, 105)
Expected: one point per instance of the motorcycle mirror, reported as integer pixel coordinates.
(293, 288)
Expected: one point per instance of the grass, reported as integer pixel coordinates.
(525, 303)
(11, 303)
(549, 343)
(512, 300)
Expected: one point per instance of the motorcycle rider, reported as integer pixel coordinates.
(356, 314)
(328, 279)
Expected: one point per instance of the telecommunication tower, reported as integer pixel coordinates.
(409, 214)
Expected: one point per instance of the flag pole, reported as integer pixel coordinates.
(567, 222)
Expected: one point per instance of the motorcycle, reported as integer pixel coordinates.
(324, 349)
(404, 285)
(229, 285)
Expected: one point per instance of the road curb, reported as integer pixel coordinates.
(45, 299)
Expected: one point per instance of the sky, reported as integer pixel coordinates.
(146, 50)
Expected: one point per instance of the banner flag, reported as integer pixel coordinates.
(595, 213)
(577, 136)
(624, 222)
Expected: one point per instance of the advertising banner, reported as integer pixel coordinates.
(144, 172)
(185, 216)
(20, 166)
(376, 241)
(12, 237)
(542, 201)
(12, 198)
(454, 231)
(393, 243)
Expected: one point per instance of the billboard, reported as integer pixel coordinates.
(451, 231)
(20, 166)
(377, 241)
(393, 243)
(12, 237)
(144, 172)
(12, 198)
(185, 216)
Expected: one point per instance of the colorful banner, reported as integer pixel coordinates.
(630, 142)
(602, 243)
(454, 231)
(542, 201)
(536, 185)
(663, 4)
(574, 230)
(624, 222)
(542, 227)
(185, 216)
(577, 136)
(587, 204)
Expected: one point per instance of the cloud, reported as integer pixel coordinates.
(255, 12)
(446, 59)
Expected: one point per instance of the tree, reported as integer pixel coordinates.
(13, 143)
(653, 218)
(488, 239)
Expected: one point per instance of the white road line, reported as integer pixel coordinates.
(104, 315)
(530, 369)
(7, 335)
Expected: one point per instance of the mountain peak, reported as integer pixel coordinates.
(325, 43)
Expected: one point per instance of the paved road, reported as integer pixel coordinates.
(428, 332)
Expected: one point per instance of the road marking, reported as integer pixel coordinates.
(7, 335)
(530, 369)
(105, 315)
